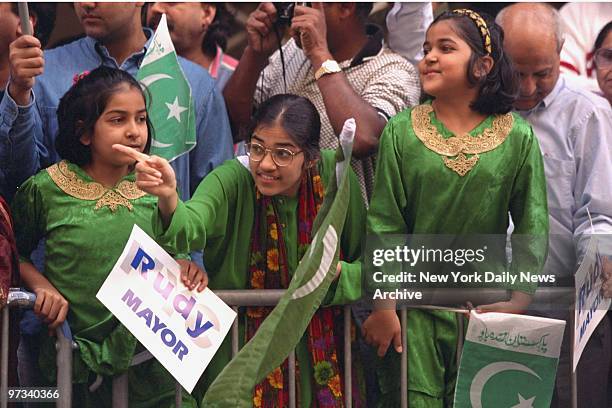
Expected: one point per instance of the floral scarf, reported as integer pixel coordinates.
(268, 270)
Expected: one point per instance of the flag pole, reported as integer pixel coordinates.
(24, 16)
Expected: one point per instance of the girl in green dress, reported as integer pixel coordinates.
(457, 165)
(85, 207)
(253, 217)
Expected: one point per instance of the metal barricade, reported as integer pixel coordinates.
(443, 298)
(25, 300)
(270, 297)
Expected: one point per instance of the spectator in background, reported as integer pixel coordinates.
(406, 26)
(42, 17)
(115, 38)
(574, 129)
(602, 61)
(199, 32)
(337, 61)
(582, 22)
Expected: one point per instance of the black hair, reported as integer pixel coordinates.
(602, 35)
(80, 108)
(296, 115)
(218, 31)
(499, 88)
(45, 19)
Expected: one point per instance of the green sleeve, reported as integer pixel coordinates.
(28, 210)
(388, 204)
(387, 212)
(347, 288)
(204, 216)
(529, 211)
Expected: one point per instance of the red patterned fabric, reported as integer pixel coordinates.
(9, 261)
(269, 270)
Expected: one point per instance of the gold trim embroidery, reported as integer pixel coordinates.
(459, 146)
(71, 184)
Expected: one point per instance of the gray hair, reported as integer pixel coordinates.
(553, 17)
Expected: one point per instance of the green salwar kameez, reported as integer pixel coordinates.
(86, 227)
(417, 193)
(219, 219)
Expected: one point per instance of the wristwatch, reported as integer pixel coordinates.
(328, 67)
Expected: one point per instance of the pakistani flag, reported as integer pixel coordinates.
(171, 108)
(508, 361)
(285, 325)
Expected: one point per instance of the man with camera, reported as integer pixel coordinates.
(334, 59)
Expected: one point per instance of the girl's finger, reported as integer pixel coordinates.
(62, 314)
(148, 184)
(53, 312)
(203, 283)
(38, 304)
(148, 177)
(133, 153)
(144, 168)
(194, 273)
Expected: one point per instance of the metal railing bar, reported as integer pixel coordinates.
(348, 375)
(460, 335)
(178, 395)
(120, 391)
(235, 334)
(64, 370)
(4, 358)
(404, 357)
(447, 297)
(292, 392)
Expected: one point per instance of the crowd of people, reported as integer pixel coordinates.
(466, 124)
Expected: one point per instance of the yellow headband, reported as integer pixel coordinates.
(480, 24)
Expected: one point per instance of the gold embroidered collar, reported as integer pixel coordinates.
(459, 146)
(70, 183)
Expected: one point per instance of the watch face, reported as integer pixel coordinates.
(331, 65)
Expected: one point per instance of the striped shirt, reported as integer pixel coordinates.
(381, 77)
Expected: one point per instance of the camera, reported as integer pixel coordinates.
(284, 12)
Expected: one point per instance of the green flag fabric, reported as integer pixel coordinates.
(170, 107)
(281, 331)
(508, 360)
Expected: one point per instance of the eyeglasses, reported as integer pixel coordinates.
(603, 58)
(280, 156)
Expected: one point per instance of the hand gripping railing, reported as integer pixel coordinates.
(443, 298)
(65, 345)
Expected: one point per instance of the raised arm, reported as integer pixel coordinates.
(261, 43)
(21, 131)
(340, 99)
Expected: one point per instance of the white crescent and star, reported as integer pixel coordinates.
(330, 244)
(524, 403)
(147, 81)
(175, 110)
(488, 371)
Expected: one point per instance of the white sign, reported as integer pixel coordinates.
(590, 306)
(183, 329)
